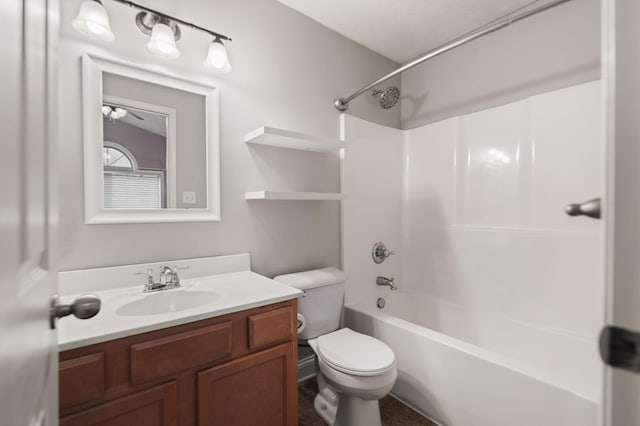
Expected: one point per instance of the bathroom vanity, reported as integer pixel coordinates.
(230, 361)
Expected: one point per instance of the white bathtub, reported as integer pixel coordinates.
(462, 369)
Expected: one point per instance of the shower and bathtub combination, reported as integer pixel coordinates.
(499, 298)
(498, 304)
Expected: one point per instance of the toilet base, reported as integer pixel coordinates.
(345, 410)
(354, 411)
(325, 409)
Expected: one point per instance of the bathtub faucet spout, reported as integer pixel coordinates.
(387, 281)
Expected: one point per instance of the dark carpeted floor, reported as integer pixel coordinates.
(392, 411)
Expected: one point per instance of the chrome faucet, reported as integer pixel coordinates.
(386, 281)
(168, 279)
(166, 276)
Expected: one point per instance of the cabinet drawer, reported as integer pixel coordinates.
(82, 379)
(168, 355)
(271, 327)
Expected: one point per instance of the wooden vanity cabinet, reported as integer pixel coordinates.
(239, 368)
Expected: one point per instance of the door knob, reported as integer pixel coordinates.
(589, 208)
(84, 307)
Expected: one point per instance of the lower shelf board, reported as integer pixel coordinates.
(292, 196)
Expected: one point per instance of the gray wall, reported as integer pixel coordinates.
(287, 70)
(557, 48)
(149, 149)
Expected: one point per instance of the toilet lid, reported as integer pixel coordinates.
(355, 353)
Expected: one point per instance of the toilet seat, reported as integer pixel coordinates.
(354, 353)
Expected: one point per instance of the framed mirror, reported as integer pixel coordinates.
(151, 146)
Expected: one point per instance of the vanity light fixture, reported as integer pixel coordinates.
(162, 29)
(162, 42)
(92, 20)
(217, 59)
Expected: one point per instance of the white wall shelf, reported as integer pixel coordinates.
(282, 138)
(292, 196)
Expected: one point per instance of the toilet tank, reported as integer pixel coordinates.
(321, 304)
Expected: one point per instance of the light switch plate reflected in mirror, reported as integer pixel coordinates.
(189, 197)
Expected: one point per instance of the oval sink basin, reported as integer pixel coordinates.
(164, 302)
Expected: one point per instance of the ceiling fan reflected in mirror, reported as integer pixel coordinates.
(114, 113)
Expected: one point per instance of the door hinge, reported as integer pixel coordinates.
(620, 348)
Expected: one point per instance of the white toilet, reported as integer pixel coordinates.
(354, 370)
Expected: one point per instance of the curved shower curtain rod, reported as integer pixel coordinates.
(343, 103)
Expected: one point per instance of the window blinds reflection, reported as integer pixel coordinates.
(132, 190)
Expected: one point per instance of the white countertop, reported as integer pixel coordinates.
(233, 292)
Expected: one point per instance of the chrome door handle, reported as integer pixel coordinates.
(84, 307)
(589, 208)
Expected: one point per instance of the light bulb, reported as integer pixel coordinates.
(92, 21)
(217, 59)
(162, 43)
(120, 112)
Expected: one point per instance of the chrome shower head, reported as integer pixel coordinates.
(388, 97)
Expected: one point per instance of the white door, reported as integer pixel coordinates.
(621, 74)
(28, 350)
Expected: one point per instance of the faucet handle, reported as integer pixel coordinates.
(174, 273)
(380, 252)
(149, 274)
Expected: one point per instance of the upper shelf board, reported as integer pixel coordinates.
(292, 196)
(293, 140)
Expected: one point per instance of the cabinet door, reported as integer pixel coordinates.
(152, 407)
(258, 390)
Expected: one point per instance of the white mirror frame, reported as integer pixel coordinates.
(95, 213)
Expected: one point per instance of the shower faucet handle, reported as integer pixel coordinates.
(380, 252)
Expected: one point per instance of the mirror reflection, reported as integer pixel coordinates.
(134, 157)
(154, 145)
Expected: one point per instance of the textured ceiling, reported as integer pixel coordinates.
(403, 29)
